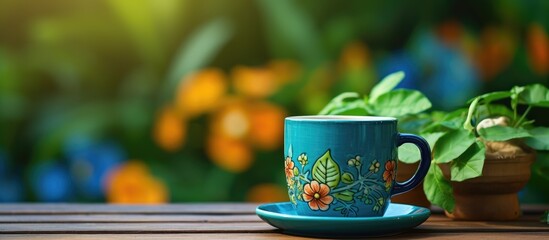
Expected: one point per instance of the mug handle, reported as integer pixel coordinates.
(424, 163)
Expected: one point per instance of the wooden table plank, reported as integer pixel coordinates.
(252, 226)
(44, 228)
(213, 221)
(267, 236)
(188, 208)
(126, 218)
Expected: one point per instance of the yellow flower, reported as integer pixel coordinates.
(230, 154)
(254, 82)
(132, 183)
(201, 92)
(169, 130)
(267, 192)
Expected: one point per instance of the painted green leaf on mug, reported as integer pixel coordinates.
(347, 178)
(345, 196)
(326, 170)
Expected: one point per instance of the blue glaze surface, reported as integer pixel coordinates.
(397, 218)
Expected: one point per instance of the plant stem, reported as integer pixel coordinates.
(517, 124)
(336, 190)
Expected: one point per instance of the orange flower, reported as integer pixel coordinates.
(497, 48)
(267, 192)
(289, 168)
(169, 130)
(389, 174)
(354, 56)
(316, 194)
(201, 92)
(538, 48)
(254, 82)
(267, 125)
(231, 120)
(285, 71)
(229, 154)
(132, 183)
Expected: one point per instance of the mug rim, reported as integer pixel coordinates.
(339, 118)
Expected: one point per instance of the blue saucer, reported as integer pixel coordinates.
(397, 218)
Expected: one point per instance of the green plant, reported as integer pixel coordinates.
(455, 137)
(383, 100)
(461, 138)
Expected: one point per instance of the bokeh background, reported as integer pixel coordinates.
(179, 100)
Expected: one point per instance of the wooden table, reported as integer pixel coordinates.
(214, 221)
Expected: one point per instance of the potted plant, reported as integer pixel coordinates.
(483, 154)
(407, 105)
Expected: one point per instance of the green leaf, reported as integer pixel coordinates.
(356, 108)
(502, 133)
(408, 153)
(539, 139)
(493, 96)
(345, 196)
(385, 85)
(432, 138)
(400, 102)
(443, 121)
(452, 145)
(535, 95)
(197, 51)
(438, 190)
(493, 110)
(339, 102)
(469, 164)
(325, 170)
(347, 178)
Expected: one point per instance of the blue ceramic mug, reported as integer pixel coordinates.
(343, 166)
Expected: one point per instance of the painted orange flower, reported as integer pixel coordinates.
(389, 174)
(316, 194)
(289, 168)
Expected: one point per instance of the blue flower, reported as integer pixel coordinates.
(90, 163)
(51, 182)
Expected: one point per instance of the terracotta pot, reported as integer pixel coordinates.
(414, 197)
(492, 196)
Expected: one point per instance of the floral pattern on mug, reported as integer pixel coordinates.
(289, 169)
(389, 174)
(326, 184)
(316, 195)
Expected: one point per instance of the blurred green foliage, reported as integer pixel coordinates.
(102, 71)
